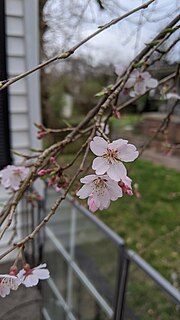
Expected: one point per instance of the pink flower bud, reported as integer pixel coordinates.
(51, 182)
(13, 271)
(116, 113)
(42, 172)
(41, 134)
(53, 160)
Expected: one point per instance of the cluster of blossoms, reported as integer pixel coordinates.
(110, 180)
(139, 82)
(56, 178)
(28, 277)
(12, 176)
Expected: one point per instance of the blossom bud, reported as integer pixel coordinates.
(43, 172)
(53, 160)
(116, 113)
(13, 271)
(41, 135)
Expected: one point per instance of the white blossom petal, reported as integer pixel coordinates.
(88, 179)
(100, 165)
(41, 273)
(128, 153)
(31, 280)
(98, 146)
(130, 82)
(41, 265)
(85, 191)
(103, 197)
(152, 83)
(116, 144)
(116, 171)
(140, 88)
(115, 191)
(145, 75)
(172, 95)
(4, 291)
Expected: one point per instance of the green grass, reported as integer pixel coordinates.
(149, 224)
(125, 121)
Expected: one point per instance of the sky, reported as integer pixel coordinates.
(72, 20)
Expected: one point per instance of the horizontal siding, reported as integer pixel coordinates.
(14, 26)
(15, 46)
(14, 8)
(20, 139)
(18, 103)
(16, 65)
(21, 41)
(19, 122)
(18, 88)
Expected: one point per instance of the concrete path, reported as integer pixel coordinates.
(171, 162)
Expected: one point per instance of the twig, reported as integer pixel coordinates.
(164, 124)
(66, 54)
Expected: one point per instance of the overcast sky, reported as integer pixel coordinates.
(72, 20)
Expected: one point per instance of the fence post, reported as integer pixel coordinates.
(123, 265)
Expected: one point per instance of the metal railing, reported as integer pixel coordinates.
(77, 248)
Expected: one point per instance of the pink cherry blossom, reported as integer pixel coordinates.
(110, 156)
(12, 176)
(30, 277)
(139, 82)
(100, 190)
(7, 282)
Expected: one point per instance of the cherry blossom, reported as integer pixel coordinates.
(100, 189)
(12, 176)
(110, 156)
(30, 277)
(172, 95)
(139, 82)
(7, 282)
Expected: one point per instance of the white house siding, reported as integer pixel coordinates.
(24, 96)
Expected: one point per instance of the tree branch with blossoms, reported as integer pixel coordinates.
(109, 180)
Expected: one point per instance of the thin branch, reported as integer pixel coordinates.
(66, 54)
(53, 208)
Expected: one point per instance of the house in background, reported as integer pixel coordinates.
(20, 103)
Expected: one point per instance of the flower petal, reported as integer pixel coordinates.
(140, 88)
(91, 204)
(103, 197)
(117, 143)
(41, 273)
(128, 153)
(116, 171)
(85, 191)
(152, 83)
(100, 165)
(115, 191)
(89, 178)
(98, 146)
(30, 281)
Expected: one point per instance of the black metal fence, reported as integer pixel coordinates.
(93, 275)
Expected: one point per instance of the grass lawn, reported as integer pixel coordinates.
(150, 224)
